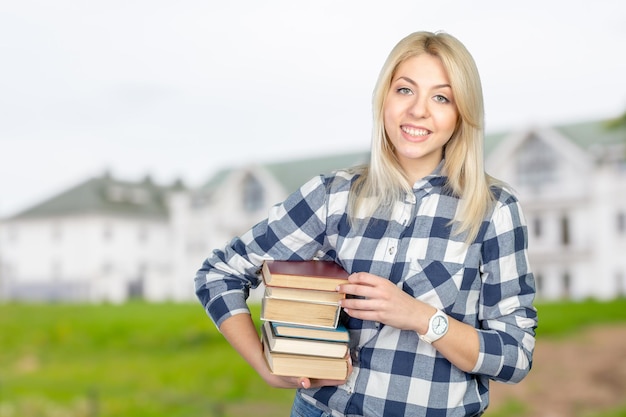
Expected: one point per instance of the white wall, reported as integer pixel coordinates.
(95, 255)
(590, 196)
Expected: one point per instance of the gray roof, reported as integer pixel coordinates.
(598, 133)
(292, 174)
(492, 140)
(585, 134)
(105, 195)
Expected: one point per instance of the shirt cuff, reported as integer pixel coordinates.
(225, 305)
(490, 356)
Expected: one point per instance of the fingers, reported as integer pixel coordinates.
(304, 383)
(364, 286)
(307, 383)
(361, 284)
(364, 278)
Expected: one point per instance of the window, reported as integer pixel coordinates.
(56, 232)
(115, 193)
(252, 194)
(136, 286)
(12, 234)
(621, 283)
(107, 268)
(565, 232)
(537, 226)
(127, 194)
(139, 196)
(142, 234)
(195, 246)
(7, 270)
(56, 270)
(567, 284)
(539, 283)
(142, 267)
(536, 163)
(107, 232)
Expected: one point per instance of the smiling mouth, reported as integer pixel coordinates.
(415, 132)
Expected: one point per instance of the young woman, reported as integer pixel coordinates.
(437, 252)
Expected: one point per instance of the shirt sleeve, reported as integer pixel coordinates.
(506, 313)
(294, 230)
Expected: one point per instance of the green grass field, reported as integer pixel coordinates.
(149, 360)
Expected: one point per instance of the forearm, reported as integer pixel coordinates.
(460, 345)
(241, 333)
(378, 299)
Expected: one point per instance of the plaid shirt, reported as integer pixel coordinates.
(487, 285)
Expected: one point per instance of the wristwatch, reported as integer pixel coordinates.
(437, 327)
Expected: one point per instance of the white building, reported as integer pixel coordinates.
(571, 181)
(109, 240)
(97, 241)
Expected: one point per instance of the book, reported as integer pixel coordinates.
(318, 367)
(340, 334)
(312, 296)
(300, 346)
(313, 275)
(283, 310)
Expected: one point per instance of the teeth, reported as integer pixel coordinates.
(415, 132)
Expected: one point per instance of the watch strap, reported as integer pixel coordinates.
(433, 334)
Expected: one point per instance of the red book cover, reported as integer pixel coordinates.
(318, 275)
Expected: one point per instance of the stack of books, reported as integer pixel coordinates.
(301, 332)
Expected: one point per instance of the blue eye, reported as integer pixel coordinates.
(404, 90)
(441, 99)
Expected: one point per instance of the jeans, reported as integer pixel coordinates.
(302, 408)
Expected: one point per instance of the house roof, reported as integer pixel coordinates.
(114, 197)
(492, 140)
(585, 134)
(105, 195)
(588, 134)
(292, 174)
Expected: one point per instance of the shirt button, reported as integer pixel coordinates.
(392, 250)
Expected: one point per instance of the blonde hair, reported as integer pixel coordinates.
(384, 181)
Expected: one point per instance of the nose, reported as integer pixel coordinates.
(419, 107)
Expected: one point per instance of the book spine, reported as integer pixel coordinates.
(294, 312)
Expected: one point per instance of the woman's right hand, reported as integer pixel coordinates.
(278, 381)
(240, 331)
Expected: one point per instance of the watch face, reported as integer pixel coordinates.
(440, 324)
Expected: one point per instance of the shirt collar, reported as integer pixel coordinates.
(434, 179)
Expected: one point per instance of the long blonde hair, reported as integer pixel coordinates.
(384, 181)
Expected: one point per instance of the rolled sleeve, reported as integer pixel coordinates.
(294, 230)
(506, 313)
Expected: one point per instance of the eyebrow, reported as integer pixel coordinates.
(435, 87)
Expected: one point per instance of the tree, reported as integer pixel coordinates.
(617, 123)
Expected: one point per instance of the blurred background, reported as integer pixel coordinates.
(136, 137)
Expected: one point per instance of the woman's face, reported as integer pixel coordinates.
(420, 114)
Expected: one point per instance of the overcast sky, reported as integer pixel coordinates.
(179, 89)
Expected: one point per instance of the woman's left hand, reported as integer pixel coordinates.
(381, 300)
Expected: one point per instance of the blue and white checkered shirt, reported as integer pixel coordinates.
(487, 284)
